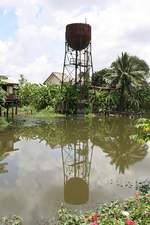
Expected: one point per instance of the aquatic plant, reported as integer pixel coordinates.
(12, 220)
(143, 135)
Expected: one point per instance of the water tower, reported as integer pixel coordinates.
(77, 159)
(78, 56)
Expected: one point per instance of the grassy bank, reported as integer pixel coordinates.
(3, 122)
(46, 114)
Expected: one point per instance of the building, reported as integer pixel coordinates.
(11, 102)
(56, 78)
(10, 87)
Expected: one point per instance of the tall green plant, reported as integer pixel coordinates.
(101, 78)
(39, 96)
(70, 97)
(128, 73)
(143, 126)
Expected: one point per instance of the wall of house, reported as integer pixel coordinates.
(53, 80)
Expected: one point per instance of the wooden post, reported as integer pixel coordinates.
(16, 109)
(7, 111)
(12, 112)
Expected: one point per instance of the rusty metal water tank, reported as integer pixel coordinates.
(76, 191)
(78, 35)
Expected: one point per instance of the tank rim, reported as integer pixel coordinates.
(87, 24)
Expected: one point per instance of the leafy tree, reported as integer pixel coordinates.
(101, 78)
(128, 73)
(26, 93)
(124, 88)
(39, 96)
(70, 97)
(22, 80)
(2, 94)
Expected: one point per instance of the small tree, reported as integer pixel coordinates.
(22, 79)
(101, 78)
(2, 94)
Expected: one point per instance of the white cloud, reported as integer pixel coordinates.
(38, 47)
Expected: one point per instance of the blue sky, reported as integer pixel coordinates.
(32, 33)
(8, 23)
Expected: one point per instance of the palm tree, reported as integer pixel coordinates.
(128, 73)
(113, 136)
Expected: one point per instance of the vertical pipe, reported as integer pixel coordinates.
(63, 162)
(80, 68)
(62, 82)
(91, 58)
(75, 161)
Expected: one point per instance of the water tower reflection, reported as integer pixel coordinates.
(76, 159)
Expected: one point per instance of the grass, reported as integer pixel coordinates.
(43, 114)
(89, 115)
(46, 114)
(3, 122)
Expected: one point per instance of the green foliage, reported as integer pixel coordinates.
(27, 109)
(105, 101)
(47, 113)
(128, 74)
(22, 80)
(3, 122)
(70, 96)
(143, 135)
(101, 78)
(123, 88)
(42, 96)
(13, 220)
(26, 93)
(133, 211)
(2, 94)
(39, 96)
(45, 95)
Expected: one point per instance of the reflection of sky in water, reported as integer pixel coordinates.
(33, 186)
(34, 183)
(107, 183)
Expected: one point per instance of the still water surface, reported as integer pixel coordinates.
(80, 162)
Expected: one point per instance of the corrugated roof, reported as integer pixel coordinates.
(8, 80)
(59, 76)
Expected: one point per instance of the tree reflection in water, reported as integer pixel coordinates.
(76, 139)
(72, 138)
(7, 141)
(113, 136)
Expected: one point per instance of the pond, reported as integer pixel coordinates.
(77, 161)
